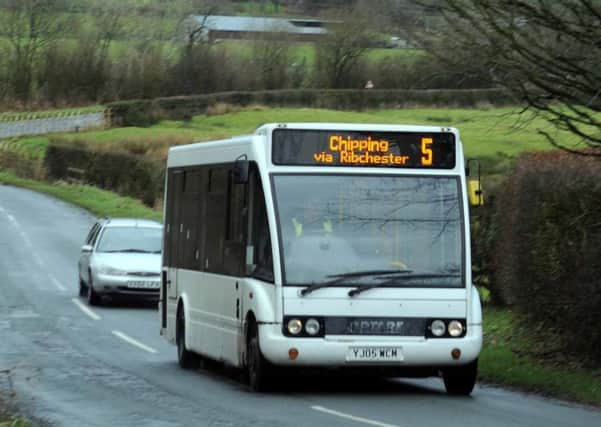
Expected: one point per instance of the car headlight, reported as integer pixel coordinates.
(312, 326)
(455, 328)
(438, 328)
(110, 271)
(295, 326)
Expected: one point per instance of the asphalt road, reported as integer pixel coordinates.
(108, 366)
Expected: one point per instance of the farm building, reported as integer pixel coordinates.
(215, 27)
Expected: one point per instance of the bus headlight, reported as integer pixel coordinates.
(312, 326)
(455, 328)
(438, 328)
(295, 326)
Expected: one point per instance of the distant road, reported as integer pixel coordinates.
(67, 123)
(108, 366)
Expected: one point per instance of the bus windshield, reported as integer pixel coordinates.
(347, 230)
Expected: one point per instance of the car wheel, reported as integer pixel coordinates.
(187, 359)
(82, 288)
(257, 366)
(460, 380)
(93, 297)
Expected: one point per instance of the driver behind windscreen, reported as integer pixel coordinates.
(311, 218)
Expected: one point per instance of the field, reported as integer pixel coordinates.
(493, 135)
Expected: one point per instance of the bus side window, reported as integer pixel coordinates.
(217, 219)
(172, 220)
(260, 239)
(193, 192)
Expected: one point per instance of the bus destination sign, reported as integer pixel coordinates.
(434, 150)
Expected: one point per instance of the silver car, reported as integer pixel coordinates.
(121, 257)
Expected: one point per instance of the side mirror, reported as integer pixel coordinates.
(86, 249)
(241, 168)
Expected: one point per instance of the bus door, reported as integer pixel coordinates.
(234, 246)
(175, 229)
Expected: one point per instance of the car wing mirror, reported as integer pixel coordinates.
(86, 249)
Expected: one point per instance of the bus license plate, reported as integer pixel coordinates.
(143, 284)
(374, 354)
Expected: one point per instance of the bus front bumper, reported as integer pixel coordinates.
(341, 351)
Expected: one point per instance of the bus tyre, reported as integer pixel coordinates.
(460, 380)
(257, 366)
(186, 358)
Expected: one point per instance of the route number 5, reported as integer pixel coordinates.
(426, 151)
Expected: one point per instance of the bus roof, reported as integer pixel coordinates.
(355, 127)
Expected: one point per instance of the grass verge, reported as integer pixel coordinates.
(507, 359)
(17, 422)
(8, 417)
(99, 202)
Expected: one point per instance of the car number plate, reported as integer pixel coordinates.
(374, 354)
(143, 284)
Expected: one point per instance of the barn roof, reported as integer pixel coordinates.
(255, 24)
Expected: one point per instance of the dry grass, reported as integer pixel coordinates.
(222, 108)
(155, 148)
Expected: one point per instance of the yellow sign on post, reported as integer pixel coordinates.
(474, 190)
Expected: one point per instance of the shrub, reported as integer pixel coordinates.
(147, 112)
(126, 174)
(547, 254)
(142, 112)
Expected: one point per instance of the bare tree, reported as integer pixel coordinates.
(349, 36)
(546, 53)
(271, 54)
(194, 65)
(29, 26)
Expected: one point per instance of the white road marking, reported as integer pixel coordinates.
(134, 342)
(37, 259)
(26, 239)
(13, 220)
(352, 417)
(56, 283)
(16, 224)
(85, 309)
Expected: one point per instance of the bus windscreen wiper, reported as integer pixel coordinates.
(391, 283)
(339, 278)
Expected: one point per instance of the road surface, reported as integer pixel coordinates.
(70, 365)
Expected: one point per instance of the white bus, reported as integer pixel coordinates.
(327, 245)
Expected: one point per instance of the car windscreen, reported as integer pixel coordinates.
(130, 239)
(334, 229)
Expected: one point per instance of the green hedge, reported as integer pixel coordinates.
(547, 252)
(126, 174)
(20, 165)
(147, 112)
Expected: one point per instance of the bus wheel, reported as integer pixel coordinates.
(257, 367)
(185, 358)
(460, 380)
